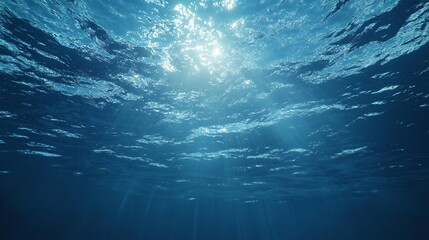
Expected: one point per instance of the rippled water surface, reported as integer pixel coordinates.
(156, 119)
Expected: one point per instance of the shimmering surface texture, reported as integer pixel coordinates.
(243, 119)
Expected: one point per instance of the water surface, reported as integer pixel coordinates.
(227, 119)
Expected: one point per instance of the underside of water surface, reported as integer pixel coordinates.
(225, 119)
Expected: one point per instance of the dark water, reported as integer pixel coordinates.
(226, 119)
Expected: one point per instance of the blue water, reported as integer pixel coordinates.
(228, 119)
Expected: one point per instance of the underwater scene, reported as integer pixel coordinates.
(223, 119)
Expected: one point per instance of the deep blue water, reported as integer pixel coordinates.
(228, 119)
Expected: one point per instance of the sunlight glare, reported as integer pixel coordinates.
(229, 4)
